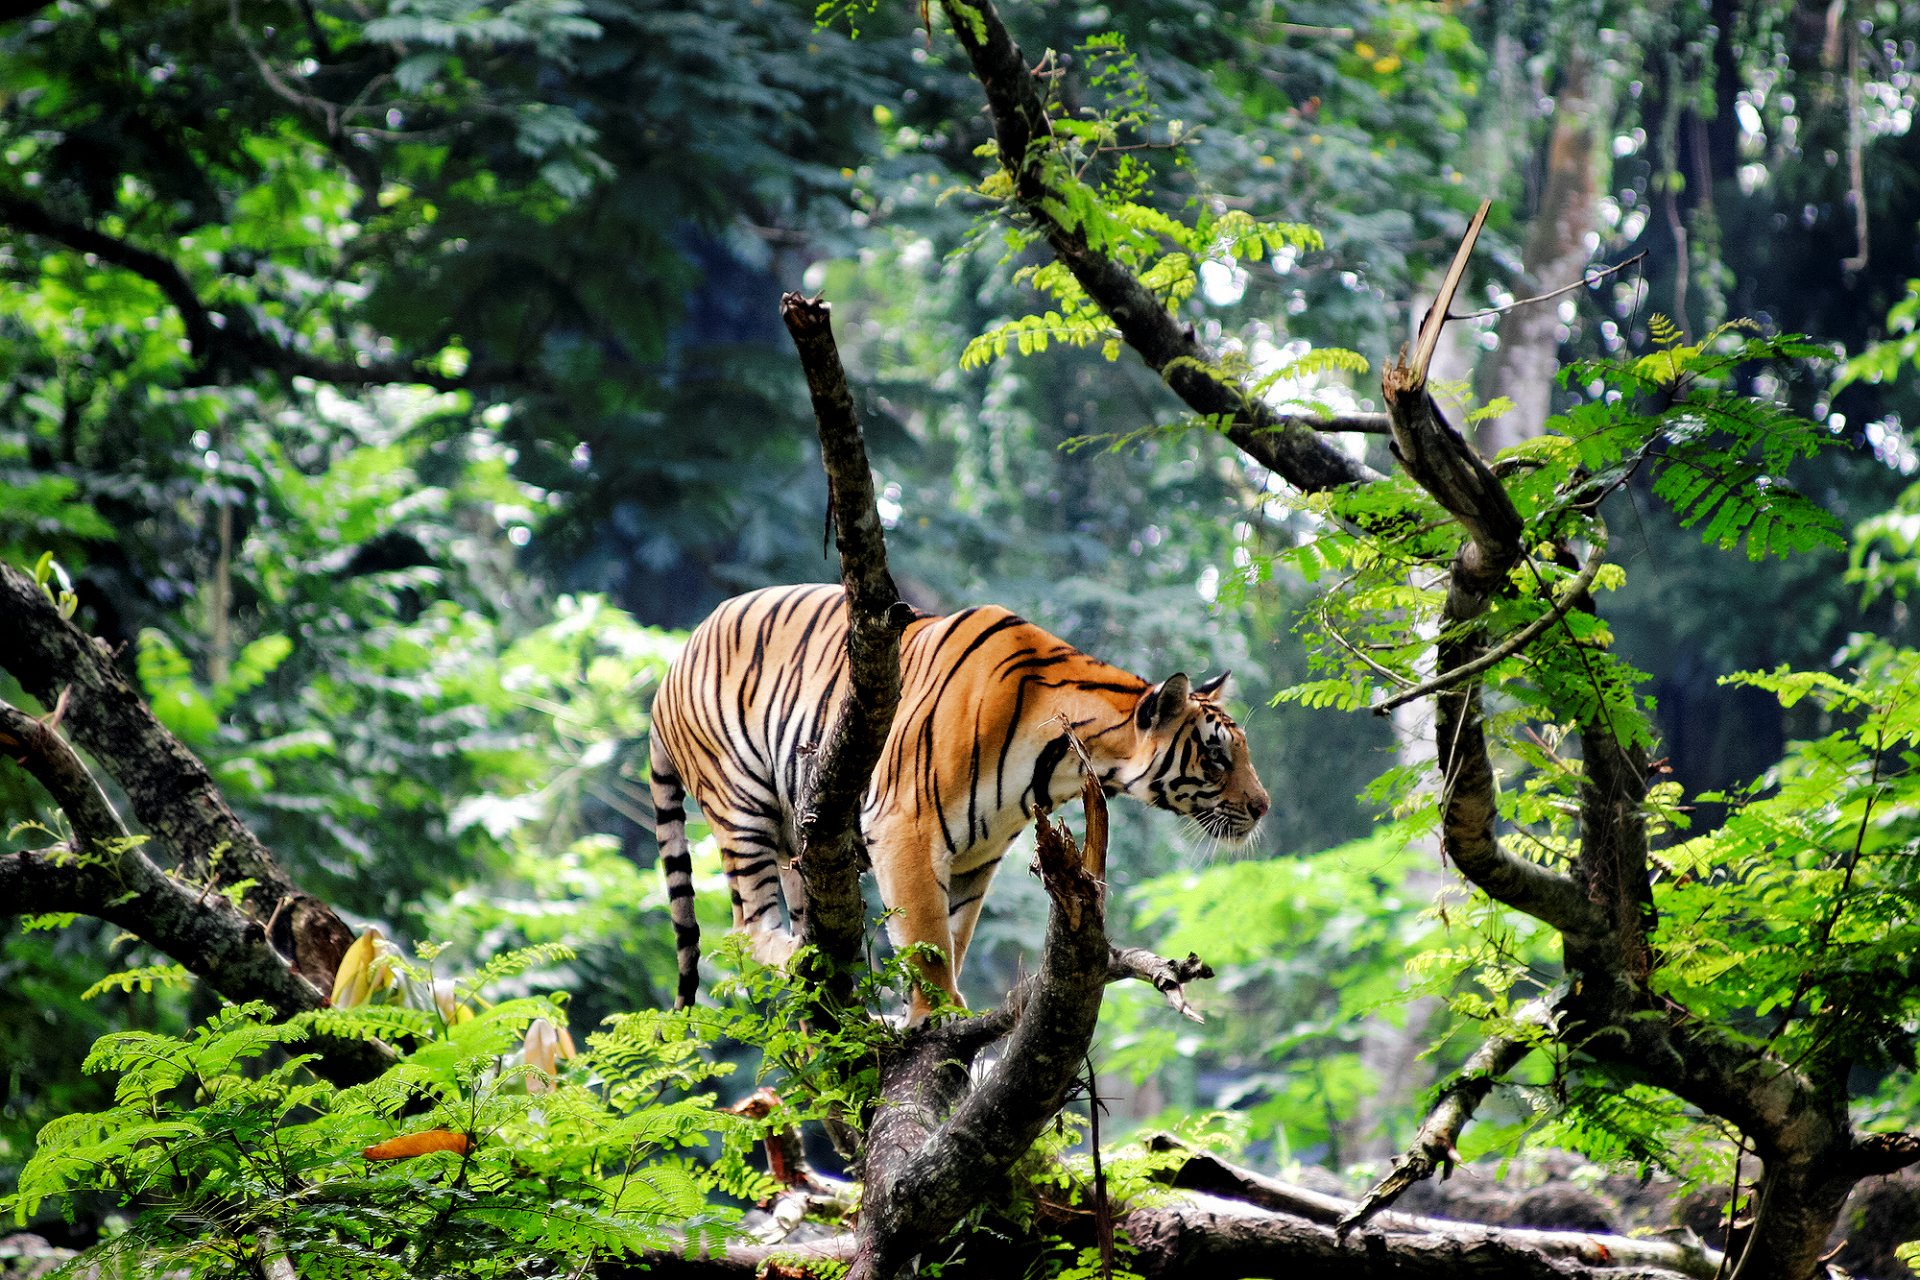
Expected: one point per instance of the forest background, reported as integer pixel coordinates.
(393, 384)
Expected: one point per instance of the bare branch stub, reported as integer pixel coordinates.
(1168, 977)
(832, 849)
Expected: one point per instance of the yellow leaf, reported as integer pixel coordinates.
(352, 983)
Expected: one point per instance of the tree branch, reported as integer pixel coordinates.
(1285, 444)
(1445, 465)
(107, 875)
(1208, 1174)
(1221, 1238)
(1795, 1118)
(832, 848)
(1206, 1236)
(1434, 1146)
(172, 794)
(1487, 660)
(229, 341)
(1169, 977)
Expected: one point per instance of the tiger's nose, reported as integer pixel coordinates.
(1258, 806)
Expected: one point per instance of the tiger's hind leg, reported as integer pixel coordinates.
(754, 853)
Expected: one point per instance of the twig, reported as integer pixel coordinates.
(1586, 281)
(1513, 643)
(1435, 1147)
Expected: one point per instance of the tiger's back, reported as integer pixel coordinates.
(978, 739)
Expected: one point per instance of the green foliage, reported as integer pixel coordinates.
(1884, 557)
(224, 1147)
(1098, 185)
(1800, 906)
(1882, 361)
(1308, 950)
(145, 978)
(1718, 457)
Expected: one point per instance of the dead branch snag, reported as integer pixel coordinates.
(1434, 1146)
(832, 849)
(1441, 461)
(1288, 445)
(1168, 977)
(936, 1144)
(804, 1192)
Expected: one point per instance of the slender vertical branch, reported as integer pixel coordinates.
(832, 849)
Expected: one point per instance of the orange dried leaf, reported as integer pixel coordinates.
(409, 1145)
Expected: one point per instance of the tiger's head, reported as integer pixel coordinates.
(1190, 758)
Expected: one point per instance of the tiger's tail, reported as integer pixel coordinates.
(676, 864)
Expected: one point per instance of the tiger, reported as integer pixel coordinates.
(980, 736)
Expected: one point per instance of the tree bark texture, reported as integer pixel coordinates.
(1795, 1118)
(832, 848)
(1204, 1237)
(172, 794)
(108, 875)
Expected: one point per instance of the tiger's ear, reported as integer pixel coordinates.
(1160, 704)
(1215, 688)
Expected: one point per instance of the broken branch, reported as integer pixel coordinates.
(1435, 1146)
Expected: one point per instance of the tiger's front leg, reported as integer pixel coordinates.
(916, 897)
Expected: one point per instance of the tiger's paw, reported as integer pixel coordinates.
(775, 947)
